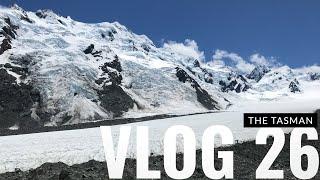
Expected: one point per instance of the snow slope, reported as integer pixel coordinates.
(71, 67)
(78, 146)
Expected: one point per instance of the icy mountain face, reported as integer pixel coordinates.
(56, 71)
(275, 79)
(314, 76)
(235, 82)
(258, 72)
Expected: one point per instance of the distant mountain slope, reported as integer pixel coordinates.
(55, 70)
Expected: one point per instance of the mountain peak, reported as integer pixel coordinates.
(258, 72)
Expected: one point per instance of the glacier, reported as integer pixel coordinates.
(79, 146)
(59, 71)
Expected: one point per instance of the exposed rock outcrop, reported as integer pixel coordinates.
(89, 49)
(113, 98)
(42, 14)
(294, 86)
(196, 63)
(237, 83)
(258, 72)
(202, 95)
(16, 102)
(314, 76)
(9, 33)
(5, 45)
(115, 64)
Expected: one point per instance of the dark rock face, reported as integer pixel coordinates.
(41, 14)
(10, 29)
(97, 54)
(9, 32)
(204, 76)
(23, 61)
(61, 22)
(111, 36)
(208, 78)
(146, 47)
(16, 69)
(238, 88)
(113, 70)
(114, 99)
(202, 95)
(26, 18)
(115, 64)
(115, 77)
(237, 83)
(205, 99)
(196, 63)
(258, 72)
(89, 49)
(5, 45)
(16, 102)
(61, 171)
(314, 76)
(294, 86)
(100, 81)
(183, 76)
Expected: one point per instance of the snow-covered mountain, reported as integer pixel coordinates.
(55, 70)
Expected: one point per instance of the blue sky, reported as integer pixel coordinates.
(287, 30)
